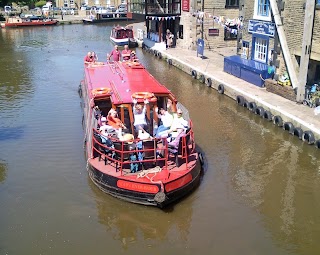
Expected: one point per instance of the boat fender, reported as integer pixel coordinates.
(160, 197)
(245, 104)
(101, 92)
(259, 111)
(201, 158)
(240, 100)
(317, 144)
(221, 89)
(169, 61)
(252, 106)
(159, 55)
(298, 132)
(308, 137)
(155, 52)
(277, 120)
(80, 91)
(267, 115)
(143, 46)
(194, 74)
(288, 126)
(202, 78)
(209, 82)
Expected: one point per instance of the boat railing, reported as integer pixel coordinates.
(122, 154)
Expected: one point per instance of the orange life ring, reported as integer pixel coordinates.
(101, 92)
(143, 95)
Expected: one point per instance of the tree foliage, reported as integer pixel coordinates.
(40, 3)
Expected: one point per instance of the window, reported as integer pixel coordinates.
(230, 32)
(233, 3)
(262, 10)
(260, 49)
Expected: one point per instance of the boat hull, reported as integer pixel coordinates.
(125, 41)
(130, 190)
(31, 23)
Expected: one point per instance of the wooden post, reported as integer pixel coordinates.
(306, 48)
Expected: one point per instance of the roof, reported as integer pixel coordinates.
(123, 28)
(123, 79)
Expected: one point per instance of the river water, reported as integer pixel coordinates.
(260, 193)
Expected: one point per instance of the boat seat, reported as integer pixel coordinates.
(100, 148)
(126, 153)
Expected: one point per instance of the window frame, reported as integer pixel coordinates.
(229, 5)
(253, 48)
(258, 16)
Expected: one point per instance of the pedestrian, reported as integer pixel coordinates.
(169, 39)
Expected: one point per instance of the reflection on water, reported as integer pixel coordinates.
(259, 194)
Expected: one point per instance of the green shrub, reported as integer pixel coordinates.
(40, 3)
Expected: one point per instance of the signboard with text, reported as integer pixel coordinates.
(200, 47)
(185, 5)
(261, 27)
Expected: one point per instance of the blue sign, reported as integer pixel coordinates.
(200, 47)
(261, 27)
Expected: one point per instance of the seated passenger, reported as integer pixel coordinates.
(114, 121)
(133, 57)
(178, 123)
(139, 113)
(166, 119)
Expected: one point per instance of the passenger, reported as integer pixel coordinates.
(94, 56)
(104, 128)
(88, 59)
(139, 113)
(114, 121)
(178, 124)
(115, 54)
(126, 52)
(133, 57)
(166, 119)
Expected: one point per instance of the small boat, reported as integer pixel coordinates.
(104, 17)
(135, 166)
(122, 36)
(28, 21)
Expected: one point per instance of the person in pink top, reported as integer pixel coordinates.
(89, 58)
(115, 54)
(126, 53)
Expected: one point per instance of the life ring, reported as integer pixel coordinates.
(267, 115)
(169, 61)
(298, 132)
(277, 120)
(101, 92)
(240, 100)
(308, 137)
(252, 106)
(317, 144)
(194, 74)
(259, 111)
(144, 95)
(209, 82)
(288, 126)
(221, 89)
(202, 79)
(159, 55)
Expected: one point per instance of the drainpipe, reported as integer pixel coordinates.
(306, 48)
(283, 43)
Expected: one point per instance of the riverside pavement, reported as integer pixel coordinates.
(212, 67)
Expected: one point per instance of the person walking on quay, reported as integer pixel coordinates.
(115, 54)
(169, 39)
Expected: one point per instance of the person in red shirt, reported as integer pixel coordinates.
(89, 58)
(115, 54)
(126, 53)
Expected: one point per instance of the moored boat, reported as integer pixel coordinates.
(129, 164)
(123, 36)
(104, 17)
(28, 21)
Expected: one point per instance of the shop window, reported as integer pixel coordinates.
(230, 32)
(262, 10)
(232, 3)
(260, 49)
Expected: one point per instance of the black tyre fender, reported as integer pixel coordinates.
(143, 46)
(209, 82)
(201, 159)
(317, 144)
(245, 104)
(221, 89)
(159, 55)
(169, 61)
(252, 106)
(194, 74)
(259, 111)
(240, 100)
(80, 91)
(308, 137)
(202, 79)
(298, 132)
(267, 115)
(277, 120)
(155, 52)
(288, 126)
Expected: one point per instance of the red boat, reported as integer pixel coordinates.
(29, 21)
(139, 169)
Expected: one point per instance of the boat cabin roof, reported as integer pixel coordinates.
(122, 28)
(123, 79)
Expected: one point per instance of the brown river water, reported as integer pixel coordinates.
(260, 192)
